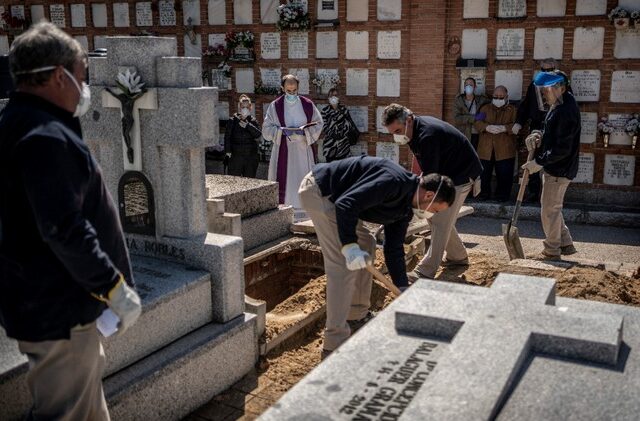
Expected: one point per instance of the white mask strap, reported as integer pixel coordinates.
(37, 70)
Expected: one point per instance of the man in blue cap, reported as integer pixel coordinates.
(556, 150)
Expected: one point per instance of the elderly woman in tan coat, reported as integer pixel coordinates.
(497, 145)
(467, 108)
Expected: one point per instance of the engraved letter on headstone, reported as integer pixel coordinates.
(586, 85)
(167, 13)
(144, 16)
(512, 8)
(56, 15)
(389, 43)
(619, 170)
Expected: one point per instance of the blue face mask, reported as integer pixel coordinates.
(291, 97)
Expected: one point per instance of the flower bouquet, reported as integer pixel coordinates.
(324, 82)
(240, 44)
(632, 128)
(605, 128)
(619, 17)
(635, 19)
(292, 17)
(216, 51)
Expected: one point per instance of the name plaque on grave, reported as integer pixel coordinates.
(388, 82)
(298, 45)
(589, 127)
(586, 162)
(510, 44)
(99, 13)
(548, 42)
(591, 7)
(56, 15)
(357, 10)
(217, 12)
(270, 77)
(78, 15)
(473, 9)
(586, 85)
(242, 12)
(551, 8)
(389, 9)
(588, 43)
(17, 11)
(136, 204)
(270, 45)
(388, 150)
(619, 136)
(619, 170)
(167, 13)
(474, 43)
(358, 82)
(512, 8)
(389, 44)
(144, 16)
(327, 44)
(625, 86)
(379, 127)
(627, 44)
(357, 45)
(191, 9)
(120, 15)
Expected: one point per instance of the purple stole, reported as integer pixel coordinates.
(283, 152)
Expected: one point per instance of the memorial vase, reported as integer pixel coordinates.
(621, 23)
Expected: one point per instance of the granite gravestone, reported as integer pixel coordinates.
(270, 77)
(389, 9)
(446, 351)
(327, 10)
(269, 11)
(191, 9)
(619, 170)
(619, 136)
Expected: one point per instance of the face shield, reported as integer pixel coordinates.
(548, 88)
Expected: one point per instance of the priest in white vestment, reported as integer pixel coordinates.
(292, 156)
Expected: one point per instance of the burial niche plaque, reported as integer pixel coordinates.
(136, 204)
(512, 8)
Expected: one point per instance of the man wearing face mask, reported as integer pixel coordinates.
(467, 110)
(439, 148)
(338, 196)
(293, 123)
(241, 139)
(497, 147)
(529, 112)
(340, 132)
(557, 149)
(63, 257)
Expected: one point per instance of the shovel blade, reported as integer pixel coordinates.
(512, 241)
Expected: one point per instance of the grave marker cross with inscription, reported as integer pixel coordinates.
(493, 336)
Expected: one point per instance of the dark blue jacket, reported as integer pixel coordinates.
(560, 147)
(374, 190)
(60, 237)
(441, 148)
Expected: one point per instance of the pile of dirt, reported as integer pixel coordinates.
(307, 300)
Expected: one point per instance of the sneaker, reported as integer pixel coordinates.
(451, 263)
(325, 353)
(568, 250)
(355, 325)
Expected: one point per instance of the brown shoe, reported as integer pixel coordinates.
(568, 250)
(546, 256)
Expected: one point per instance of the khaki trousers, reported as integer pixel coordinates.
(555, 230)
(65, 377)
(348, 292)
(444, 236)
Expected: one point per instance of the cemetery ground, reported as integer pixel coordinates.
(606, 268)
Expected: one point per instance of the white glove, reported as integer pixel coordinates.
(501, 129)
(356, 257)
(516, 129)
(125, 303)
(228, 154)
(493, 129)
(242, 123)
(533, 140)
(532, 166)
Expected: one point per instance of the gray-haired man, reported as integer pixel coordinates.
(63, 257)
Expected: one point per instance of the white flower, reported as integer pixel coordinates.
(129, 82)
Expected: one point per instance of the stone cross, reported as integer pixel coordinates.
(492, 337)
(148, 101)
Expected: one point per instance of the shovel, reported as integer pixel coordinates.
(383, 280)
(510, 230)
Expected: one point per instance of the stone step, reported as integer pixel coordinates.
(173, 382)
(176, 300)
(246, 196)
(267, 226)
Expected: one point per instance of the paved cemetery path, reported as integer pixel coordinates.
(598, 243)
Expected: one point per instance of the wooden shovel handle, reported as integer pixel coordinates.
(383, 280)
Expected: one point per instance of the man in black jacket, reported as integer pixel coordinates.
(340, 195)
(557, 150)
(441, 148)
(63, 257)
(241, 139)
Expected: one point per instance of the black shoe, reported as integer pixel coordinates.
(355, 325)
(568, 250)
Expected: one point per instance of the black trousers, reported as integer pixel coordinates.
(243, 165)
(504, 178)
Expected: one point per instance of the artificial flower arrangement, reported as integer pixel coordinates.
(619, 16)
(324, 82)
(632, 128)
(293, 17)
(240, 45)
(605, 128)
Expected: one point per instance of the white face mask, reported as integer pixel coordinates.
(244, 112)
(425, 213)
(498, 102)
(402, 139)
(468, 89)
(84, 103)
(333, 100)
(291, 98)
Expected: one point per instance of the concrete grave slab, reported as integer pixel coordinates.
(246, 196)
(447, 351)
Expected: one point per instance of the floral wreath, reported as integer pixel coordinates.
(292, 17)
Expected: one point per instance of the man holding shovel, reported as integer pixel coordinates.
(338, 196)
(556, 150)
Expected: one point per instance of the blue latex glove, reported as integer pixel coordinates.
(481, 116)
